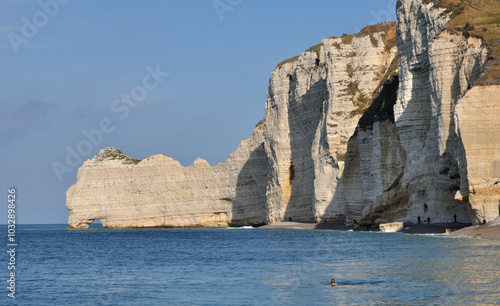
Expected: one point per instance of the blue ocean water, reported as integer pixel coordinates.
(245, 266)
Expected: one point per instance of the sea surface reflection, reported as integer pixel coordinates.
(252, 267)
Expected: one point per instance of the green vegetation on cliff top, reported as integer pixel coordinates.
(479, 18)
(112, 154)
(360, 100)
(389, 39)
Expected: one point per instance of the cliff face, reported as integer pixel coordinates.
(437, 68)
(159, 192)
(478, 122)
(429, 144)
(314, 103)
(375, 164)
(349, 135)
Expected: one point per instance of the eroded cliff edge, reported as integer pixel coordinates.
(159, 192)
(389, 124)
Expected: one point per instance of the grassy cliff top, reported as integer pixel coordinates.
(388, 27)
(289, 60)
(389, 38)
(479, 18)
(112, 154)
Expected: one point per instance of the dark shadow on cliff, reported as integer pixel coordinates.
(249, 205)
(418, 112)
(453, 173)
(394, 202)
(304, 114)
(437, 173)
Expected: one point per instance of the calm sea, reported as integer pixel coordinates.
(246, 266)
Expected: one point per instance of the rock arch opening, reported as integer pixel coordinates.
(96, 223)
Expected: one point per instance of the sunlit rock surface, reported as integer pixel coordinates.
(436, 69)
(391, 227)
(313, 106)
(159, 192)
(389, 124)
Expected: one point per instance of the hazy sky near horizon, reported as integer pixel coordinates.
(185, 78)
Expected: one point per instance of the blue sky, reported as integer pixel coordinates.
(67, 67)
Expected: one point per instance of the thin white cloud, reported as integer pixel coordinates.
(6, 45)
(35, 46)
(48, 45)
(17, 119)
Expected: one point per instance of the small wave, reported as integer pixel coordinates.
(431, 234)
(359, 282)
(442, 235)
(239, 227)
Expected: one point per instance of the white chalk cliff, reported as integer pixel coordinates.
(386, 125)
(159, 192)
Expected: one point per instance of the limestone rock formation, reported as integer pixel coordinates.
(375, 164)
(478, 117)
(436, 68)
(390, 124)
(391, 227)
(314, 103)
(159, 192)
